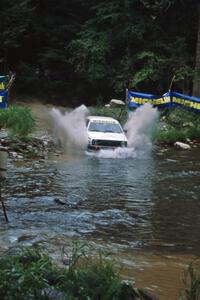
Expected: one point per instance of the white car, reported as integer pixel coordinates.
(105, 133)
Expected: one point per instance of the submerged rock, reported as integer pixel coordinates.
(128, 292)
(60, 201)
(53, 294)
(145, 295)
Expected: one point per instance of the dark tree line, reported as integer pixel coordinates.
(93, 50)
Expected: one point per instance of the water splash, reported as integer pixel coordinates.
(70, 131)
(139, 129)
(70, 128)
(140, 126)
(120, 153)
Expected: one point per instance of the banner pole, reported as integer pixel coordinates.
(3, 170)
(172, 80)
(126, 95)
(3, 207)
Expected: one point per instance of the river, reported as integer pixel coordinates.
(145, 210)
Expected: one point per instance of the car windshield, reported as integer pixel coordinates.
(105, 127)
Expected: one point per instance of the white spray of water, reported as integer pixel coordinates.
(70, 131)
(138, 128)
(119, 153)
(70, 128)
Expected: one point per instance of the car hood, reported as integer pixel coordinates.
(107, 136)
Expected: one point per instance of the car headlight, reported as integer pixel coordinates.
(124, 144)
(94, 142)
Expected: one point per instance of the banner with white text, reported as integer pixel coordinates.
(169, 99)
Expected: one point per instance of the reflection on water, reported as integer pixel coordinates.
(148, 203)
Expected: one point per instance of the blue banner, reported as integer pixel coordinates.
(4, 80)
(3, 95)
(169, 99)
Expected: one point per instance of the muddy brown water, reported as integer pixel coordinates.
(145, 210)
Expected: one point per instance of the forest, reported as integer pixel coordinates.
(91, 51)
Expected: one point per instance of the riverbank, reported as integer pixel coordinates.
(30, 148)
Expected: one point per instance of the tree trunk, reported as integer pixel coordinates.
(196, 83)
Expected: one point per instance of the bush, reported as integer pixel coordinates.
(18, 120)
(24, 276)
(32, 275)
(178, 124)
(170, 135)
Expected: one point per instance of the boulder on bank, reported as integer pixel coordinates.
(182, 146)
(116, 102)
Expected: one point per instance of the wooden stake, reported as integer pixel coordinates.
(172, 80)
(3, 207)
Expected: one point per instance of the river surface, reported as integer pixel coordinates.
(145, 210)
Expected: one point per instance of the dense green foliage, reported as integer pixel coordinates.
(178, 124)
(92, 50)
(32, 275)
(18, 120)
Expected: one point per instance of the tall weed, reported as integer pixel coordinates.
(18, 120)
(191, 281)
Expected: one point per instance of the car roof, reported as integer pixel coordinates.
(102, 118)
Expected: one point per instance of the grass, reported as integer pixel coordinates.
(191, 282)
(32, 275)
(170, 136)
(178, 124)
(18, 120)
